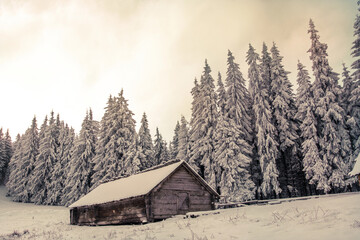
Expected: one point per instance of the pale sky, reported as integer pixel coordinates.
(70, 55)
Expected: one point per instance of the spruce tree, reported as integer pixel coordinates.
(254, 72)
(353, 109)
(265, 68)
(165, 154)
(103, 139)
(79, 169)
(237, 99)
(254, 75)
(8, 152)
(54, 192)
(25, 165)
(233, 150)
(334, 142)
(160, 149)
(308, 134)
(146, 144)
(15, 173)
(194, 132)
(2, 157)
(289, 164)
(356, 48)
(203, 145)
(40, 179)
(134, 157)
(119, 130)
(348, 87)
(183, 145)
(265, 131)
(221, 103)
(175, 142)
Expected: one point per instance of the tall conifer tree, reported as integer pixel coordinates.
(265, 131)
(354, 107)
(183, 140)
(233, 151)
(103, 140)
(265, 67)
(334, 140)
(175, 141)
(115, 141)
(14, 166)
(8, 150)
(160, 149)
(5, 154)
(146, 144)
(309, 138)
(80, 169)
(194, 132)
(254, 75)
(291, 176)
(204, 124)
(134, 157)
(40, 178)
(25, 165)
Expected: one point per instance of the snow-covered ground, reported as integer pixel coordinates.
(327, 217)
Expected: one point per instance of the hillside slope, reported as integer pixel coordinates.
(328, 217)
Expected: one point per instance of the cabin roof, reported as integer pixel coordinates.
(134, 185)
(356, 169)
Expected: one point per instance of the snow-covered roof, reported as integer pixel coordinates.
(132, 186)
(356, 169)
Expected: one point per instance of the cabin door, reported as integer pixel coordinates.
(183, 202)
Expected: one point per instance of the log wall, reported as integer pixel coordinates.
(119, 212)
(179, 194)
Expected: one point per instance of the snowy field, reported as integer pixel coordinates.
(327, 217)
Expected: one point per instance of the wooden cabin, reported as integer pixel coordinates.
(155, 194)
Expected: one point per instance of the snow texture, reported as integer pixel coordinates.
(330, 217)
(356, 169)
(124, 187)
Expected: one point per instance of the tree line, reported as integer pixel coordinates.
(248, 142)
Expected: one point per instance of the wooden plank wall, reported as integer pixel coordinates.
(120, 212)
(165, 200)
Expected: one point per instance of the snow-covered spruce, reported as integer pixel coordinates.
(353, 109)
(183, 145)
(6, 152)
(40, 178)
(146, 144)
(266, 144)
(204, 125)
(19, 171)
(289, 164)
(134, 157)
(58, 175)
(79, 168)
(194, 132)
(233, 132)
(116, 136)
(161, 154)
(175, 142)
(254, 75)
(334, 141)
(305, 115)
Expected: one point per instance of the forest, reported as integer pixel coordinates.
(254, 138)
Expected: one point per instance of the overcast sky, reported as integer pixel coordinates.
(68, 56)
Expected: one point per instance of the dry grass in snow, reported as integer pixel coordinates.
(328, 217)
